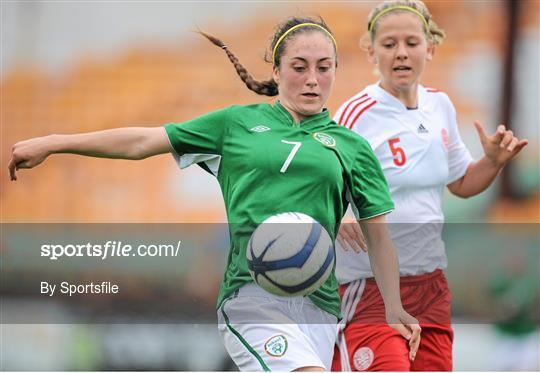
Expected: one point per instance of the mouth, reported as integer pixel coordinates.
(402, 68)
(310, 95)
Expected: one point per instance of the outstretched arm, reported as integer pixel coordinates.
(122, 143)
(499, 148)
(384, 263)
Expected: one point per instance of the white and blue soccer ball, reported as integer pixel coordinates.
(290, 254)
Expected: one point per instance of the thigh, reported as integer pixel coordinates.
(371, 347)
(435, 351)
(270, 340)
(323, 339)
(367, 343)
(320, 327)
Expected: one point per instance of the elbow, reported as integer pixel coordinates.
(151, 141)
(140, 156)
(464, 191)
(460, 190)
(461, 194)
(136, 154)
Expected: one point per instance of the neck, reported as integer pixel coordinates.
(295, 115)
(407, 96)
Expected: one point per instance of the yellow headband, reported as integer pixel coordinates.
(402, 7)
(294, 28)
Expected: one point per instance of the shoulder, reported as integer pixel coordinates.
(348, 140)
(249, 109)
(357, 108)
(235, 114)
(436, 96)
(430, 89)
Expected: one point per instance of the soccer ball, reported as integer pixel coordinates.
(290, 254)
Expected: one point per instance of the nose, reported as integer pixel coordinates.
(311, 79)
(401, 52)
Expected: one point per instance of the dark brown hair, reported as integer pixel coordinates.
(269, 87)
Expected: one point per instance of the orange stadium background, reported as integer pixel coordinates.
(71, 67)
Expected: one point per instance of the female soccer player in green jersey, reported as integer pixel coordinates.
(250, 151)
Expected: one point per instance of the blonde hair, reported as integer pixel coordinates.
(433, 32)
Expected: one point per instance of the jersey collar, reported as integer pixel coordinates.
(321, 118)
(388, 99)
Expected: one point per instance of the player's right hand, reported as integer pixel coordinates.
(408, 327)
(28, 154)
(500, 147)
(350, 236)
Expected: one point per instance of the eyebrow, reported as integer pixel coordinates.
(406, 36)
(304, 60)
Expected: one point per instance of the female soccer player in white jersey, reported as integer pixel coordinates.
(413, 132)
(261, 176)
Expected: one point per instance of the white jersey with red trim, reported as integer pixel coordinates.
(420, 151)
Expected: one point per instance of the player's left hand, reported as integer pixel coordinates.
(408, 327)
(500, 147)
(350, 236)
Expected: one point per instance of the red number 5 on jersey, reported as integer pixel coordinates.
(398, 153)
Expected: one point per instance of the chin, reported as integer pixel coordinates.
(311, 111)
(404, 84)
(312, 108)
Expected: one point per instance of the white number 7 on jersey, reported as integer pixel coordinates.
(291, 154)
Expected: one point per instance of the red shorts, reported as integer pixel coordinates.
(371, 345)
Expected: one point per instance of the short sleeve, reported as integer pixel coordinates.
(459, 156)
(368, 193)
(199, 140)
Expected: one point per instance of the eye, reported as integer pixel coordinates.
(412, 43)
(389, 45)
(299, 69)
(324, 69)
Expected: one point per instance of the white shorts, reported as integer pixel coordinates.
(265, 332)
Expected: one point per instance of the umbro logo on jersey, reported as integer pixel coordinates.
(260, 128)
(422, 129)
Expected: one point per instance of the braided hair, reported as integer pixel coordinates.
(268, 87)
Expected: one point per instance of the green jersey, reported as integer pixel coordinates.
(268, 164)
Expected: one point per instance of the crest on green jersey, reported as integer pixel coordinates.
(324, 139)
(276, 346)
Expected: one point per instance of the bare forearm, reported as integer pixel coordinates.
(122, 143)
(384, 263)
(479, 176)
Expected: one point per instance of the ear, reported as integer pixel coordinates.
(371, 55)
(430, 51)
(275, 74)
